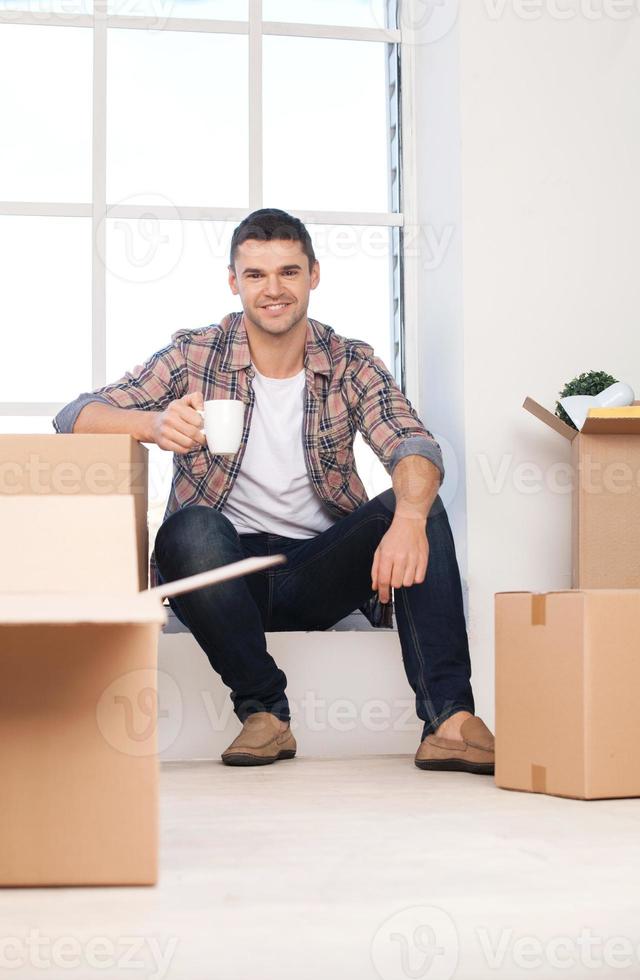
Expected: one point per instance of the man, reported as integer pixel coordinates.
(293, 488)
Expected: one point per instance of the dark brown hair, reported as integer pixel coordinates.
(270, 224)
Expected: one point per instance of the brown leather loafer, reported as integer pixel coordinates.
(260, 742)
(474, 753)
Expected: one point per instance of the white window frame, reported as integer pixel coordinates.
(405, 359)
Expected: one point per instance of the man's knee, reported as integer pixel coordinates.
(202, 535)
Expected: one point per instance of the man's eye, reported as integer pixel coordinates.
(290, 272)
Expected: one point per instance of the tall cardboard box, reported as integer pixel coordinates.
(78, 656)
(567, 681)
(605, 459)
(78, 699)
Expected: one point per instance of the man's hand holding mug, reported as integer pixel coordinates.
(179, 427)
(190, 423)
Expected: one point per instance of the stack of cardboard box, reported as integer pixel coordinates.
(77, 663)
(78, 647)
(568, 663)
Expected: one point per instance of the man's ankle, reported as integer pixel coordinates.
(450, 727)
(281, 724)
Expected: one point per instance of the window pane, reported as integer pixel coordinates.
(177, 115)
(370, 469)
(160, 476)
(164, 9)
(333, 122)
(162, 277)
(354, 295)
(45, 308)
(26, 425)
(64, 8)
(45, 126)
(352, 13)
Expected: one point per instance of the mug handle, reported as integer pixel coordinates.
(201, 412)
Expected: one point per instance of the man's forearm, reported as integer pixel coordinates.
(416, 481)
(97, 417)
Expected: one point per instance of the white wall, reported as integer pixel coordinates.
(347, 691)
(550, 157)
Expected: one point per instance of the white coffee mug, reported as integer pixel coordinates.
(223, 425)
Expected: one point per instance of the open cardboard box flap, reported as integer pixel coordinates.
(592, 426)
(143, 607)
(549, 419)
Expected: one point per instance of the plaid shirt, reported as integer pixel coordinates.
(347, 388)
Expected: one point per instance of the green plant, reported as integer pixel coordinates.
(588, 383)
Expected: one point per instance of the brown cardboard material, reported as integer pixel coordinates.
(79, 806)
(550, 419)
(78, 715)
(68, 466)
(615, 425)
(78, 642)
(607, 412)
(567, 673)
(75, 543)
(605, 458)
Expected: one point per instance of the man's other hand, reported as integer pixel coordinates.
(179, 427)
(401, 558)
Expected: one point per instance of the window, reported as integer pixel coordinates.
(141, 132)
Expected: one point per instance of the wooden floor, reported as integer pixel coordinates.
(314, 869)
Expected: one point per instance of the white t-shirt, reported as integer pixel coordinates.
(273, 492)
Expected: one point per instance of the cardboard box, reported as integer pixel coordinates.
(78, 723)
(605, 459)
(78, 648)
(567, 676)
(42, 478)
(78, 734)
(77, 675)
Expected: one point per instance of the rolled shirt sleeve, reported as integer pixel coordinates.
(66, 418)
(384, 415)
(149, 387)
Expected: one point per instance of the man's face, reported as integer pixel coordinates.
(273, 281)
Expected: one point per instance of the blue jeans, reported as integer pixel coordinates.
(326, 577)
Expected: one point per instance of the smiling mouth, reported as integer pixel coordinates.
(276, 307)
